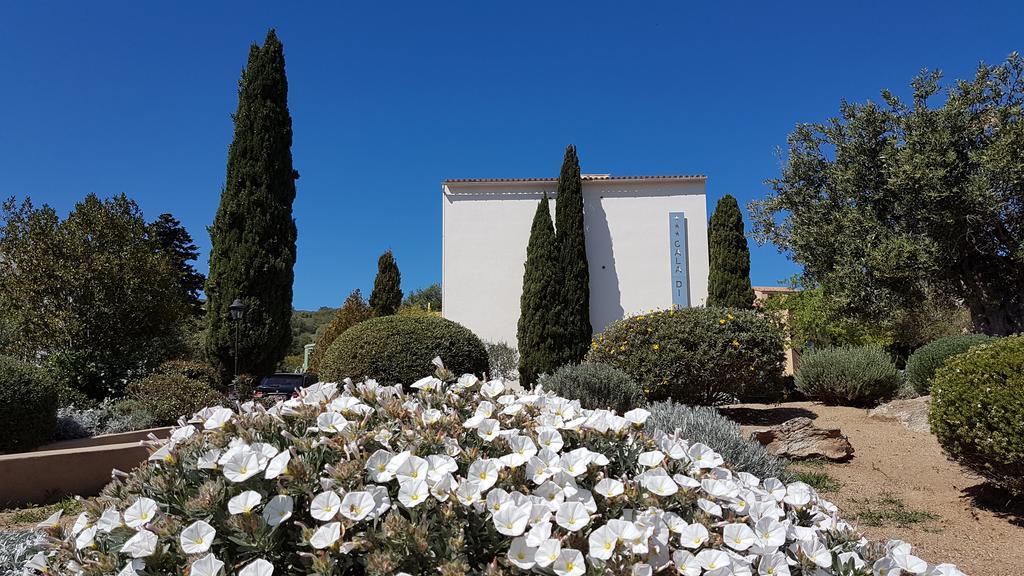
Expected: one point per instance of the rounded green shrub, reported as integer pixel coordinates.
(696, 355)
(399, 350)
(28, 406)
(923, 363)
(167, 397)
(596, 386)
(849, 375)
(193, 370)
(977, 410)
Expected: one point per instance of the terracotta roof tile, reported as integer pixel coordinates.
(585, 177)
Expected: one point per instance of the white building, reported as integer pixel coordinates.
(647, 247)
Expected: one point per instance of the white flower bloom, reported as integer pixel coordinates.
(86, 538)
(511, 520)
(651, 459)
(816, 552)
(51, 521)
(357, 505)
(602, 543)
(209, 460)
(773, 564)
(709, 507)
(575, 463)
(443, 488)
(468, 492)
(377, 466)
(538, 533)
(325, 505)
(381, 500)
(413, 493)
(658, 482)
(521, 554)
(885, 566)
(775, 488)
(642, 569)
(197, 537)
(738, 536)
(278, 509)
(488, 429)
(711, 559)
(164, 454)
(258, 567)
(245, 502)
(109, 520)
(278, 465)
(569, 563)
(492, 389)
(550, 438)
(326, 535)
(770, 533)
(693, 536)
(637, 416)
(910, 563)
(572, 516)
(484, 473)
(496, 499)
(798, 495)
(686, 482)
(132, 567)
(548, 552)
(945, 570)
(609, 487)
(242, 465)
(208, 565)
(331, 422)
(703, 457)
(412, 468)
(140, 512)
(218, 418)
(428, 383)
(141, 544)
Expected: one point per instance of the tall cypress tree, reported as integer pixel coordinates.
(541, 333)
(729, 279)
(572, 246)
(386, 297)
(253, 234)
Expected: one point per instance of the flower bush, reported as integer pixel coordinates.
(596, 385)
(849, 376)
(696, 355)
(923, 363)
(450, 478)
(28, 406)
(977, 410)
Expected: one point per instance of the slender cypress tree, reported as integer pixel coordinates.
(729, 279)
(253, 235)
(386, 297)
(541, 333)
(572, 246)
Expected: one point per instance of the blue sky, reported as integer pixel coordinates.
(388, 99)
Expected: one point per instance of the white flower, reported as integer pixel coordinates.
(413, 493)
(703, 457)
(218, 418)
(278, 509)
(550, 438)
(488, 429)
(428, 383)
(242, 465)
(377, 466)
(86, 538)
(245, 502)
(357, 505)
(140, 545)
(325, 505)
(575, 463)
(326, 535)
(109, 520)
(713, 559)
(798, 495)
(278, 465)
(512, 520)
(651, 459)
(770, 533)
(197, 537)
(208, 460)
(484, 473)
(522, 555)
(132, 567)
(258, 567)
(208, 565)
(910, 563)
(51, 521)
(609, 487)
(140, 512)
(569, 563)
(492, 389)
(547, 552)
(693, 536)
(738, 536)
(572, 516)
(816, 552)
(709, 507)
(164, 454)
(602, 543)
(686, 563)
(658, 482)
(637, 416)
(773, 564)
(332, 422)
(538, 533)
(468, 492)
(412, 468)
(945, 570)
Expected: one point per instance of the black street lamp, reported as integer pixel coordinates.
(237, 309)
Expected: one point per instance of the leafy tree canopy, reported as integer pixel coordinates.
(176, 243)
(892, 205)
(428, 298)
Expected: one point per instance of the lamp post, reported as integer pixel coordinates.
(237, 309)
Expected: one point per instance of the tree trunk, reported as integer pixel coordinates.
(996, 318)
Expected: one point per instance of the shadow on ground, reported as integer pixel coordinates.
(768, 416)
(997, 501)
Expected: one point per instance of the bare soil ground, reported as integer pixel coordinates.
(900, 485)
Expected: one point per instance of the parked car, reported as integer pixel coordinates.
(283, 384)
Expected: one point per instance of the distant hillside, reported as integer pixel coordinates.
(305, 326)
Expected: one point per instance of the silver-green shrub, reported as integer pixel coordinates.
(705, 425)
(596, 386)
(503, 360)
(849, 376)
(15, 549)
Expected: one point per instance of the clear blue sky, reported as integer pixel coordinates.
(388, 99)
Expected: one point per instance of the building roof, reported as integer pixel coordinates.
(584, 177)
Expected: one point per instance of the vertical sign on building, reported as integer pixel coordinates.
(677, 248)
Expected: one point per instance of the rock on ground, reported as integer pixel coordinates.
(799, 439)
(912, 413)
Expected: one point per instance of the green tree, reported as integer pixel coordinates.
(253, 235)
(352, 312)
(386, 297)
(890, 206)
(729, 277)
(572, 250)
(428, 298)
(93, 294)
(541, 332)
(176, 243)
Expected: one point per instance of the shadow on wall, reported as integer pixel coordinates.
(605, 297)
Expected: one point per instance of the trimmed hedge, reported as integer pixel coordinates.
(849, 375)
(399, 350)
(167, 397)
(596, 386)
(28, 406)
(977, 410)
(696, 355)
(923, 363)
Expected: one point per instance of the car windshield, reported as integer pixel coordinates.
(283, 381)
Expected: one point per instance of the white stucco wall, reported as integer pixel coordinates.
(486, 227)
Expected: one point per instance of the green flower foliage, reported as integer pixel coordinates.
(729, 276)
(849, 376)
(28, 406)
(399, 350)
(923, 363)
(386, 297)
(978, 410)
(596, 386)
(696, 355)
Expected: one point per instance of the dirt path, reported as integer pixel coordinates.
(891, 463)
